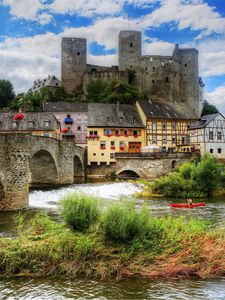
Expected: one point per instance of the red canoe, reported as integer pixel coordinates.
(186, 205)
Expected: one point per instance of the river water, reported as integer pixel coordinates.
(64, 288)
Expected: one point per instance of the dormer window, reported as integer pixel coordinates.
(121, 119)
(107, 119)
(134, 120)
(46, 123)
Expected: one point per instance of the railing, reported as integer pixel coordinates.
(151, 155)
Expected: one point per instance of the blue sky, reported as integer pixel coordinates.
(31, 32)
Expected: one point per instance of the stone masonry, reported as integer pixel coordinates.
(27, 159)
(168, 79)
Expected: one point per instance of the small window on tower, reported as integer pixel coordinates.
(131, 45)
(153, 81)
(78, 53)
(167, 79)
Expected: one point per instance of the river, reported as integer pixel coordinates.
(64, 288)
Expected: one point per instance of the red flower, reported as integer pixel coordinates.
(19, 116)
(65, 130)
(121, 148)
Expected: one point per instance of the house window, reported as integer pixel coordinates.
(103, 154)
(164, 139)
(122, 144)
(173, 125)
(78, 127)
(30, 124)
(219, 150)
(173, 140)
(112, 155)
(211, 135)
(103, 145)
(112, 145)
(219, 136)
(125, 132)
(135, 132)
(108, 132)
(15, 124)
(95, 132)
(154, 139)
(46, 134)
(46, 123)
(154, 126)
(164, 126)
(94, 154)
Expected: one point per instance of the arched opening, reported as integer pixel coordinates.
(78, 167)
(173, 164)
(128, 174)
(43, 168)
(2, 193)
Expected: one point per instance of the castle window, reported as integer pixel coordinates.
(219, 150)
(153, 68)
(131, 45)
(78, 53)
(151, 58)
(167, 79)
(211, 150)
(131, 67)
(219, 136)
(163, 63)
(153, 81)
(185, 65)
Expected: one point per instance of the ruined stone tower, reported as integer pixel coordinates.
(168, 79)
(73, 62)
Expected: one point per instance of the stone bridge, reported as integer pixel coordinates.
(29, 160)
(150, 166)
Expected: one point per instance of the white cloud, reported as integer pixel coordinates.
(26, 9)
(217, 98)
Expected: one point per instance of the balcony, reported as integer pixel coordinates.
(68, 121)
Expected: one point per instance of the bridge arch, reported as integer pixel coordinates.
(43, 168)
(127, 172)
(78, 166)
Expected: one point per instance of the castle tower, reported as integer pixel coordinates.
(129, 49)
(73, 62)
(189, 77)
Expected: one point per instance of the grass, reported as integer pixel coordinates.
(117, 246)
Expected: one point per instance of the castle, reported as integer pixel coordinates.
(166, 79)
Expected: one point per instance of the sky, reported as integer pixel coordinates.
(31, 32)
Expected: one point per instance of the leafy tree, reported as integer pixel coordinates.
(209, 109)
(6, 93)
(112, 91)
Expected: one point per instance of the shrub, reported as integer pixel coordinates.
(121, 222)
(80, 211)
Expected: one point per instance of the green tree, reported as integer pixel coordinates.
(209, 109)
(6, 93)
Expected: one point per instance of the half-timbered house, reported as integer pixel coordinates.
(208, 135)
(166, 127)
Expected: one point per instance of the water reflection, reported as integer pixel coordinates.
(58, 288)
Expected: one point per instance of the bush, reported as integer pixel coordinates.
(122, 223)
(80, 211)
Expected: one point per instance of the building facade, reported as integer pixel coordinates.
(73, 120)
(165, 127)
(113, 128)
(38, 124)
(169, 79)
(208, 135)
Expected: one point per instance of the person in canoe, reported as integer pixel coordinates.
(190, 201)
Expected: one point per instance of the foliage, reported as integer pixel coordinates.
(6, 93)
(80, 211)
(208, 109)
(112, 91)
(121, 222)
(192, 179)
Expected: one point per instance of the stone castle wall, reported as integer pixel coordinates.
(172, 79)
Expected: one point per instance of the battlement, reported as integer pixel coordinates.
(172, 79)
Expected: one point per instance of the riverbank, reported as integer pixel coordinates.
(175, 248)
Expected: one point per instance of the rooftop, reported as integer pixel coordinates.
(65, 107)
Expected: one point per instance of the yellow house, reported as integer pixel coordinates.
(38, 124)
(113, 128)
(165, 127)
